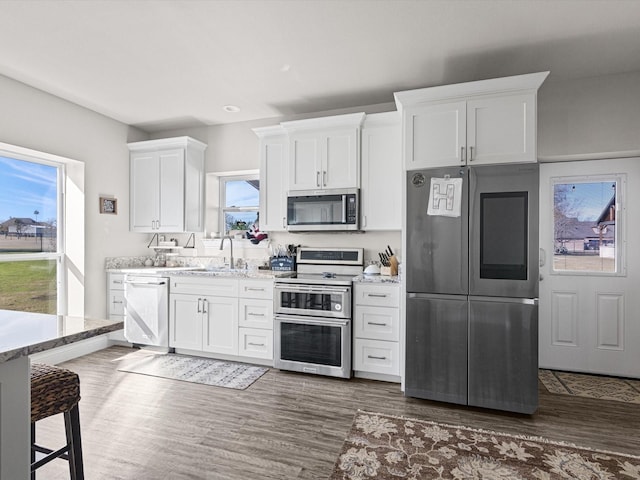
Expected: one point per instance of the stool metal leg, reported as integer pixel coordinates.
(72, 427)
(33, 450)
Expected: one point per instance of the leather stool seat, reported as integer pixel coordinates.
(56, 390)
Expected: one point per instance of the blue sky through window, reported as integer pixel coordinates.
(26, 187)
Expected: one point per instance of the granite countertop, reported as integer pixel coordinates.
(376, 279)
(24, 333)
(241, 273)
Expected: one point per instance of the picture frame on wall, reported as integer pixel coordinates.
(108, 205)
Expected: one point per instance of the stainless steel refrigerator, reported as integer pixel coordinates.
(472, 286)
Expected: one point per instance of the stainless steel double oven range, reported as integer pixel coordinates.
(312, 331)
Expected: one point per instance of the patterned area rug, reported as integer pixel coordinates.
(591, 386)
(197, 370)
(387, 447)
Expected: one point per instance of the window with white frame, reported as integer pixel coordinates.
(31, 251)
(239, 202)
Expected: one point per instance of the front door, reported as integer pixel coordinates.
(590, 266)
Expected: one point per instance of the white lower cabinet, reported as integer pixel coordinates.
(115, 296)
(376, 348)
(255, 335)
(227, 316)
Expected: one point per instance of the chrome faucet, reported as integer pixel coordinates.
(230, 243)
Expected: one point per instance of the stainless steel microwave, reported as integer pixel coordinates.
(323, 210)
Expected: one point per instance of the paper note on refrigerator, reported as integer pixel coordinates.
(445, 197)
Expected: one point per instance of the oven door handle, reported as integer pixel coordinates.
(293, 288)
(312, 321)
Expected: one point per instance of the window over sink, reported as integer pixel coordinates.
(239, 203)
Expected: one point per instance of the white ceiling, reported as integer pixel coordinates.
(167, 64)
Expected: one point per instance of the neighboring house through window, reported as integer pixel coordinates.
(34, 267)
(239, 202)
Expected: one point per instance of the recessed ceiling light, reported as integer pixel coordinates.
(231, 109)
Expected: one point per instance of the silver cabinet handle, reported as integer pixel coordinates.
(255, 289)
(117, 301)
(251, 314)
(377, 324)
(317, 178)
(462, 154)
(284, 222)
(471, 154)
(117, 282)
(324, 178)
(378, 295)
(199, 305)
(256, 344)
(376, 358)
(205, 305)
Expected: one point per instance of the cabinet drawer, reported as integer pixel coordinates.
(116, 281)
(377, 323)
(116, 304)
(256, 343)
(376, 356)
(256, 289)
(377, 295)
(219, 287)
(256, 313)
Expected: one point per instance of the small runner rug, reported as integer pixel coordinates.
(197, 370)
(386, 447)
(591, 386)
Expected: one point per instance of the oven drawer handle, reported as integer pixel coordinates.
(311, 321)
(305, 289)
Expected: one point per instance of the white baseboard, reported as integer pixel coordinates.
(76, 349)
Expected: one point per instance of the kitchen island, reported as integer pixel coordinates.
(23, 334)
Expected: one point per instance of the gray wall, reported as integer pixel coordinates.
(36, 120)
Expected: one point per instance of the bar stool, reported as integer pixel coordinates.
(56, 390)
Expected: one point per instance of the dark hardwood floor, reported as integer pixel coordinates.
(284, 426)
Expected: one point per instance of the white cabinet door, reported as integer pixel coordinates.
(381, 192)
(256, 343)
(185, 321)
(171, 191)
(377, 323)
(273, 178)
(340, 159)
(167, 185)
(220, 327)
(501, 129)
(435, 135)
(375, 356)
(305, 161)
(324, 160)
(145, 191)
(255, 313)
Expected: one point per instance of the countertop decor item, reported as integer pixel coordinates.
(386, 446)
(197, 370)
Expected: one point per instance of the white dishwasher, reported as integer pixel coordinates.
(146, 310)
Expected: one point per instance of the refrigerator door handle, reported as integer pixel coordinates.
(522, 301)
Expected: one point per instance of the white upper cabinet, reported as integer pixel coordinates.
(484, 122)
(167, 185)
(324, 152)
(381, 192)
(273, 177)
